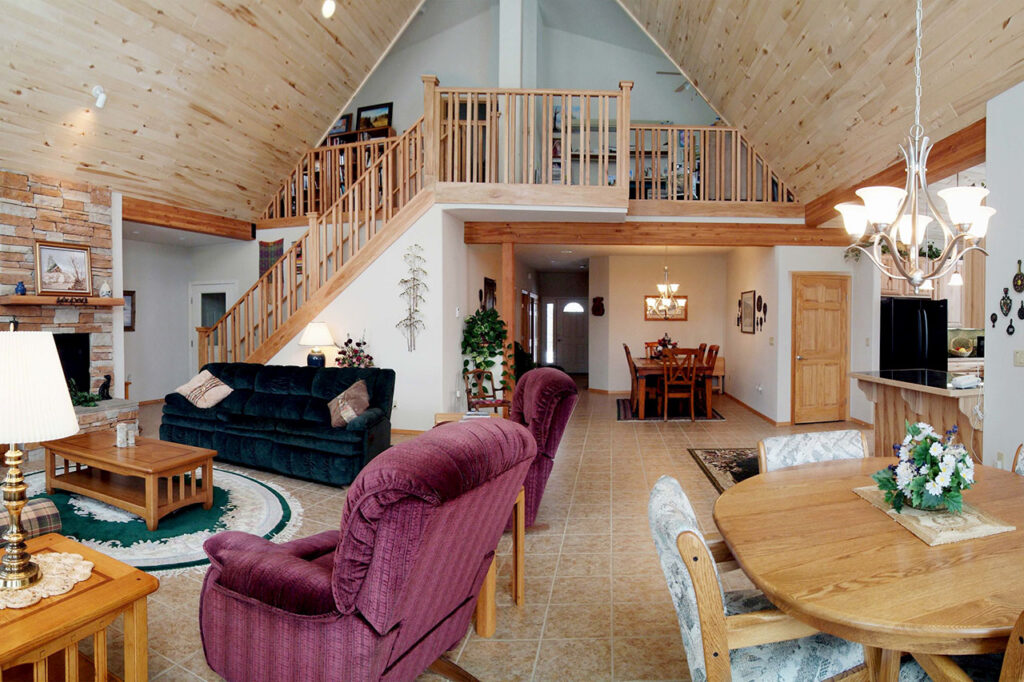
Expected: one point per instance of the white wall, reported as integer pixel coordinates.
(372, 303)
(751, 360)
(237, 261)
(701, 278)
(865, 291)
(461, 51)
(1004, 168)
(157, 352)
(453, 313)
(599, 345)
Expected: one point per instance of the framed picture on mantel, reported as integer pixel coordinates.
(63, 269)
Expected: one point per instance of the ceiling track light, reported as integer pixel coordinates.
(327, 9)
(101, 96)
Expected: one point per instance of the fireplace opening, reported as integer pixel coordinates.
(75, 357)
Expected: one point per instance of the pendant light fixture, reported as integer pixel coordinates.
(895, 220)
(667, 301)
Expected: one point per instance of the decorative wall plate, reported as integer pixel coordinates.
(1018, 280)
(994, 317)
(760, 303)
(1005, 304)
(1020, 311)
(1010, 330)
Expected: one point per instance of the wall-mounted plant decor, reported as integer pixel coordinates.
(413, 290)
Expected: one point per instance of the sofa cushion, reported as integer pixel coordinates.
(204, 390)
(237, 375)
(243, 421)
(315, 432)
(349, 404)
(276, 406)
(286, 380)
(177, 404)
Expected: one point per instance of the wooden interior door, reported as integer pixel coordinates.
(820, 387)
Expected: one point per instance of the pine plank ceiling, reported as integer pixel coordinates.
(824, 88)
(210, 103)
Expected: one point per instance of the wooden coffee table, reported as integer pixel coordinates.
(151, 478)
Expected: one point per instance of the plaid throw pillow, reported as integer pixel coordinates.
(38, 517)
(204, 390)
(349, 404)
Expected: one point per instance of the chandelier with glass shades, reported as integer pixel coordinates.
(667, 303)
(894, 220)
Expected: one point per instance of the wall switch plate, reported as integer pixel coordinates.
(867, 342)
(1018, 358)
(771, 340)
(458, 311)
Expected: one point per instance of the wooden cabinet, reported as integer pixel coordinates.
(966, 304)
(897, 286)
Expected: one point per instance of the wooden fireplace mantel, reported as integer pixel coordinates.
(69, 300)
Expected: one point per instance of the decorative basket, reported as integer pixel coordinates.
(961, 346)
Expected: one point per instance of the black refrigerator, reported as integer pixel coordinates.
(913, 334)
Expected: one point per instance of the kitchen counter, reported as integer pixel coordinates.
(921, 395)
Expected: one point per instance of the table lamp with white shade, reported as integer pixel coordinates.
(316, 334)
(34, 406)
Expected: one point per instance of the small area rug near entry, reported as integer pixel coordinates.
(239, 503)
(726, 466)
(625, 414)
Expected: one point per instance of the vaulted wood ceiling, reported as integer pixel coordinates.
(210, 102)
(824, 88)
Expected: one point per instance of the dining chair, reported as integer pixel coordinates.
(651, 347)
(651, 386)
(802, 448)
(1018, 465)
(478, 395)
(736, 635)
(679, 377)
(710, 357)
(700, 353)
(633, 383)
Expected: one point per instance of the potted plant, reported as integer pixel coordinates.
(483, 340)
(932, 473)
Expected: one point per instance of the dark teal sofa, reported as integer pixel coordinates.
(276, 419)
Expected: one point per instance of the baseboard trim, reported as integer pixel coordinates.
(759, 414)
(860, 422)
(606, 392)
(407, 432)
(156, 401)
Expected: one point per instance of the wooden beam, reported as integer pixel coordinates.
(709, 209)
(962, 150)
(274, 223)
(507, 305)
(152, 213)
(655, 233)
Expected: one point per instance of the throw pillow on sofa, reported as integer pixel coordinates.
(349, 404)
(204, 390)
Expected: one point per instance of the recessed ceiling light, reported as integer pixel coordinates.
(566, 250)
(327, 9)
(101, 96)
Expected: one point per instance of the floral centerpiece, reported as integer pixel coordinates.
(932, 473)
(353, 354)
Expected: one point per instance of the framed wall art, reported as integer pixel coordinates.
(747, 299)
(374, 116)
(63, 269)
(129, 310)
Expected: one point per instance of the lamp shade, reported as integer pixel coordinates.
(34, 400)
(906, 222)
(855, 217)
(979, 224)
(316, 334)
(881, 203)
(962, 202)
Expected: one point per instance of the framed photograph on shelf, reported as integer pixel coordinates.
(747, 312)
(343, 125)
(374, 116)
(652, 314)
(129, 311)
(63, 269)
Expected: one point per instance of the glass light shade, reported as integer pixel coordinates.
(927, 286)
(881, 203)
(979, 223)
(855, 217)
(956, 279)
(316, 334)
(327, 9)
(673, 288)
(962, 202)
(904, 228)
(663, 289)
(34, 400)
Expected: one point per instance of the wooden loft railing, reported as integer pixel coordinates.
(525, 137)
(320, 256)
(332, 169)
(700, 163)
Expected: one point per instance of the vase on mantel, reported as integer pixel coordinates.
(19, 289)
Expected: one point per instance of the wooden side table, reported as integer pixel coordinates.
(50, 630)
(486, 610)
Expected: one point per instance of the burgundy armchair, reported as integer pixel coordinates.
(385, 596)
(543, 402)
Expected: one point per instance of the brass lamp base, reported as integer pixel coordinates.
(16, 569)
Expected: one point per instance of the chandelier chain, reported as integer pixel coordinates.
(917, 130)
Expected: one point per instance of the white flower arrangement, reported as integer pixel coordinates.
(932, 473)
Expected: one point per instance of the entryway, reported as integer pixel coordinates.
(208, 302)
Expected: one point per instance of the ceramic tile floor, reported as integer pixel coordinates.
(596, 603)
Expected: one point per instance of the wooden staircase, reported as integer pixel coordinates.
(342, 241)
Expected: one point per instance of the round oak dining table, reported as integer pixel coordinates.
(831, 559)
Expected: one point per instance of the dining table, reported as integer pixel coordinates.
(648, 367)
(831, 559)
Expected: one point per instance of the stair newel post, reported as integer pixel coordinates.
(313, 257)
(431, 130)
(203, 343)
(507, 308)
(622, 136)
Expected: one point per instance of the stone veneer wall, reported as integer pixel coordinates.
(38, 208)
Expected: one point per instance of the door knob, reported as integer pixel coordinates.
(799, 357)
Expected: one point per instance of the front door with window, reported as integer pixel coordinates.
(569, 328)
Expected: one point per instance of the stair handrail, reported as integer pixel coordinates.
(333, 238)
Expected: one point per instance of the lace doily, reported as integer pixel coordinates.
(61, 572)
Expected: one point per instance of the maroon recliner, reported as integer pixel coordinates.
(543, 402)
(385, 596)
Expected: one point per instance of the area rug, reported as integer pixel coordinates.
(625, 413)
(726, 467)
(239, 503)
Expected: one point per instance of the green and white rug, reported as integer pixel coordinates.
(239, 503)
